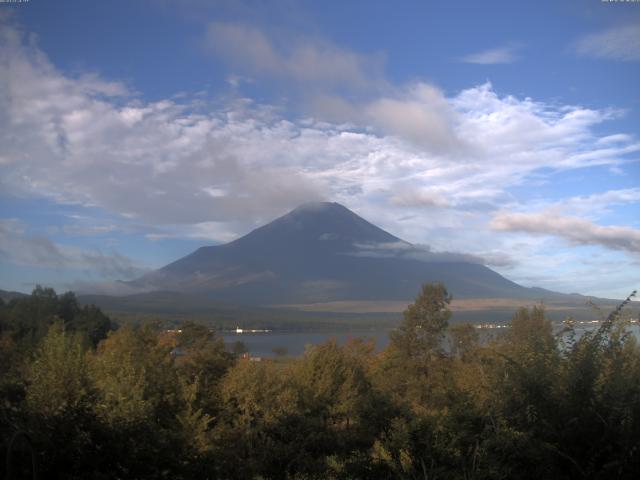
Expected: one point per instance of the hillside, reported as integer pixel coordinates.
(323, 252)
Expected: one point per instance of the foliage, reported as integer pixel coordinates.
(425, 322)
(27, 319)
(145, 403)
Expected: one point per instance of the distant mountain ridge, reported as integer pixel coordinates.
(324, 252)
(7, 296)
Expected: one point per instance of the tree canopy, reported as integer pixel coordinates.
(539, 401)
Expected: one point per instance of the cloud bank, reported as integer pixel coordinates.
(305, 60)
(86, 141)
(493, 56)
(421, 163)
(21, 248)
(424, 253)
(619, 43)
(578, 231)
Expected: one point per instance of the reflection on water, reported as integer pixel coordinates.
(266, 344)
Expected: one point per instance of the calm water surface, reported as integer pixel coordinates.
(263, 344)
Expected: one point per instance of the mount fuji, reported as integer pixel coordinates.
(324, 252)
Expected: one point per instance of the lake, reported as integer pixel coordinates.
(263, 344)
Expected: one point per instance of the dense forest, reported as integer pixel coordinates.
(94, 402)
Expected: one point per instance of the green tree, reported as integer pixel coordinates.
(238, 348)
(92, 322)
(414, 367)
(28, 319)
(600, 399)
(138, 400)
(260, 430)
(59, 399)
(463, 340)
(57, 377)
(340, 407)
(425, 322)
(202, 360)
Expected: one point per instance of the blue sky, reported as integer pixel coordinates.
(133, 132)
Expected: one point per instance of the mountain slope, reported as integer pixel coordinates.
(323, 252)
(7, 296)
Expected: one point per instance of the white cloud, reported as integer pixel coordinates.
(107, 287)
(302, 59)
(63, 139)
(419, 198)
(176, 163)
(212, 171)
(425, 253)
(17, 246)
(620, 43)
(578, 231)
(593, 206)
(599, 202)
(212, 232)
(493, 56)
(420, 113)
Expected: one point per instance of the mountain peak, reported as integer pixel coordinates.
(318, 221)
(318, 210)
(319, 206)
(315, 253)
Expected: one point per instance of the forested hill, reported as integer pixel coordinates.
(147, 403)
(7, 295)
